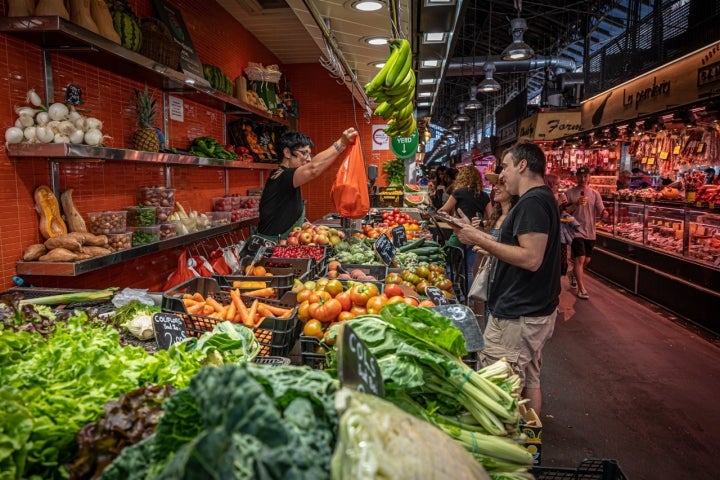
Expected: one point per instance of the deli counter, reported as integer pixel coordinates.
(666, 252)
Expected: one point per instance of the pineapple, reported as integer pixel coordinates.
(145, 139)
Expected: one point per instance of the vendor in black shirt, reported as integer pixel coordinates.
(281, 205)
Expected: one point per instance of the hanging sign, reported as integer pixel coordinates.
(405, 147)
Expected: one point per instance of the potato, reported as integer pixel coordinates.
(94, 251)
(59, 255)
(66, 241)
(34, 251)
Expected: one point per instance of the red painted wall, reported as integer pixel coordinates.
(326, 108)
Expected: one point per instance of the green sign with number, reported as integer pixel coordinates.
(405, 147)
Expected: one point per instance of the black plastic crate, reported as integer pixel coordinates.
(300, 267)
(276, 335)
(308, 354)
(589, 469)
(377, 271)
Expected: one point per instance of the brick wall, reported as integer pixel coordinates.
(326, 108)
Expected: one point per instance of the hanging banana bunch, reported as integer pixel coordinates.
(393, 88)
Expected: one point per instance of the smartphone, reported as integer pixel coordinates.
(448, 219)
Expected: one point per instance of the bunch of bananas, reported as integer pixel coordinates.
(394, 89)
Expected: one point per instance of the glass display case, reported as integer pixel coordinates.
(679, 230)
(604, 184)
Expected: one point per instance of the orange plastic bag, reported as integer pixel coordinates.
(349, 193)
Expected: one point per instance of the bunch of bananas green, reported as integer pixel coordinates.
(393, 88)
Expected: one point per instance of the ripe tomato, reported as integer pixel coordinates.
(395, 299)
(445, 284)
(303, 295)
(392, 277)
(345, 316)
(411, 301)
(303, 313)
(325, 310)
(376, 303)
(426, 303)
(393, 290)
(333, 287)
(345, 300)
(358, 310)
(316, 296)
(361, 292)
(313, 328)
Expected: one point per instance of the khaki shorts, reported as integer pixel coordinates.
(520, 342)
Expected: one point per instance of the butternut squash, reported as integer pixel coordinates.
(21, 8)
(75, 221)
(48, 208)
(52, 8)
(80, 15)
(103, 19)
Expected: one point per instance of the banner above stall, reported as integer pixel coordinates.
(550, 126)
(685, 81)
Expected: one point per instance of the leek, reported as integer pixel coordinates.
(66, 298)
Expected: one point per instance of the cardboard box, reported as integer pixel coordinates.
(531, 428)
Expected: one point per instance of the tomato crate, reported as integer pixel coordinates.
(318, 253)
(308, 352)
(589, 469)
(276, 335)
(377, 271)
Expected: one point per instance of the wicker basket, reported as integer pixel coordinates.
(158, 43)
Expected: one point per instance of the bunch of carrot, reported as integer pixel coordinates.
(235, 311)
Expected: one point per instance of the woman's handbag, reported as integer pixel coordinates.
(479, 288)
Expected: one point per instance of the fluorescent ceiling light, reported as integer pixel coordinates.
(424, 104)
(425, 94)
(429, 63)
(435, 3)
(377, 64)
(434, 37)
(427, 81)
(368, 5)
(375, 40)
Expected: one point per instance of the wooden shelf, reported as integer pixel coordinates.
(59, 35)
(71, 269)
(68, 151)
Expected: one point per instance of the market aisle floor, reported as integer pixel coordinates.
(621, 380)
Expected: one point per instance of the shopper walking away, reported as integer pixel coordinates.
(585, 204)
(525, 286)
(281, 205)
(553, 183)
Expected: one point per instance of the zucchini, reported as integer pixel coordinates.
(425, 251)
(412, 245)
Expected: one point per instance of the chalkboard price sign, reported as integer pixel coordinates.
(436, 295)
(399, 237)
(73, 95)
(385, 249)
(357, 366)
(253, 244)
(169, 329)
(464, 319)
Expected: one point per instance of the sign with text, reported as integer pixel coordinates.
(357, 367)
(550, 125)
(385, 249)
(380, 140)
(189, 59)
(464, 319)
(436, 295)
(405, 147)
(399, 236)
(176, 108)
(253, 244)
(169, 329)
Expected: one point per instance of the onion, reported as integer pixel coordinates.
(33, 98)
(14, 135)
(80, 123)
(60, 138)
(42, 118)
(93, 123)
(26, 111)
(58, 111)
(74, 115)
(66, 127)
(18, 123)
(54, 125)
(93, 137)
(26, 120)
(44, 134)
(77, 136)
(29, 133)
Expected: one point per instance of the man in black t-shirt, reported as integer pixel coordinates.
(524, 289)
(281, 205)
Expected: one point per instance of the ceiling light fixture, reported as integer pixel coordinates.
(473, 104)
(377, 64)
(518, 49)
(368, 5)
(489, 85)
(375, 40)
(430, 63)
(434, 37)
(455, 127)
(462, 117)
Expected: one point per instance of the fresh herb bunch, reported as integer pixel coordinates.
(394, 171)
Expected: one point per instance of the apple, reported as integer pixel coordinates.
(321, 239)
(310, 284)
(293, 241)
(341, 234)
(334, 240)
(296, 229)
(283, 242)
(305, 237)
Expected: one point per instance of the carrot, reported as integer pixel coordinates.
(230, 312)
(215, 304)
(278, 311)
(253, 311)
(207, 310)
(189, 302)
(196, 309)
(242, 310)
(264, 310)
(267, 292)
(198, 297)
